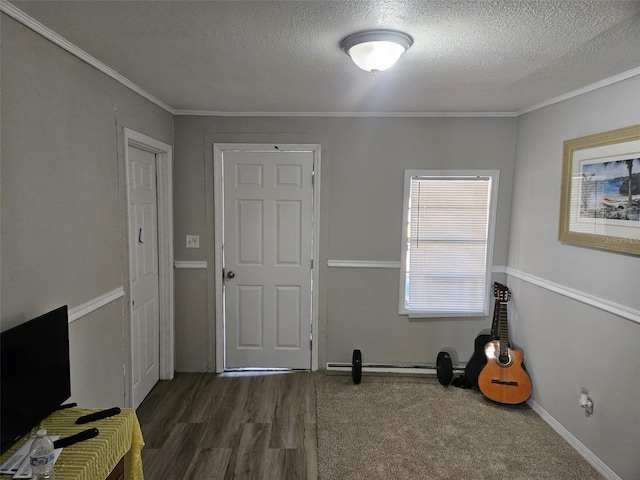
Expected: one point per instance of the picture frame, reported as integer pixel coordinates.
(600, 191)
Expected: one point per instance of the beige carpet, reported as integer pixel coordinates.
(411, 427)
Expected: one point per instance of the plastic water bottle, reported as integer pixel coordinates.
(42, 457)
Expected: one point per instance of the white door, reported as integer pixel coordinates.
(268, 245)
(143, 251)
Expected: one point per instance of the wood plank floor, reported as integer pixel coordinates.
(231, 426)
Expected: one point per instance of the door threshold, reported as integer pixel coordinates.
(255, 371)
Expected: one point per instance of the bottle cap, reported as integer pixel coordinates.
(41, 433)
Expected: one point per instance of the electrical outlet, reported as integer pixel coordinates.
(586, 402)
(193, 241)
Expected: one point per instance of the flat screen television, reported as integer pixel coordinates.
(35, 373)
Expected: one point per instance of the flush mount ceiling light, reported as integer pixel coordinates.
(376, 50)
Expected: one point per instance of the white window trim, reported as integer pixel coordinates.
(493, 208)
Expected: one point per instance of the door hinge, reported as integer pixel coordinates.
(312, 264)
(313, 179)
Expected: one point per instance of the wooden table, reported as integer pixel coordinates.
(113, 454)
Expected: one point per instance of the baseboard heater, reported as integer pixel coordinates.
(391, 368)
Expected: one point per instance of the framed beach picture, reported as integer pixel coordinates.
(600, 194)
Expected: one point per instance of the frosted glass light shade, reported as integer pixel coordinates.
(376, 56)
(376, 50)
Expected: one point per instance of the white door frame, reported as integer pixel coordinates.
(218, 149)
(164, 178)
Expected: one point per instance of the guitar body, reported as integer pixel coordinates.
(504, 382)
(477, 361)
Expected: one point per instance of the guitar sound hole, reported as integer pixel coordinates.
(504, 360)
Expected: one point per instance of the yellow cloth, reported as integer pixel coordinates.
(93, 459)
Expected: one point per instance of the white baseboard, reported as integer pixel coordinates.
(421, 371)
(373, 368)
(588, 455)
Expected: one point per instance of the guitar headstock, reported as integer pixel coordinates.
(501, 292)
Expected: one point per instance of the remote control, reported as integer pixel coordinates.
(98, 415)
(78, 437)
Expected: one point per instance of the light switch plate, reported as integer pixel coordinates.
(193, 241)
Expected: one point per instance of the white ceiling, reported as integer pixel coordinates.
(263, 56)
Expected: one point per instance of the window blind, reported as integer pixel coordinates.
(447, 237)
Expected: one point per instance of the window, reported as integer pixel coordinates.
(447, 238)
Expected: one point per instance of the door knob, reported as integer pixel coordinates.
(230, 274)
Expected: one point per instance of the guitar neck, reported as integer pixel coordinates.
(495, 325)
(500, 293)
(504, 333)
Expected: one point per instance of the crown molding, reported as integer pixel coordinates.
(52, 36)
(589, 88)
(29, 22)
(210, 113)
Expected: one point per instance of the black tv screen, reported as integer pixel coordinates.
(35, 373)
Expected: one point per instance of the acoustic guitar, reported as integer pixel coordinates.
(478, 360)
(503, 379)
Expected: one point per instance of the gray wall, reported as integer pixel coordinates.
(63, 230)
(63, 197)
(569, 344)
(363, 163)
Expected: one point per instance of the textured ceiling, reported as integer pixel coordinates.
(284, 56)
